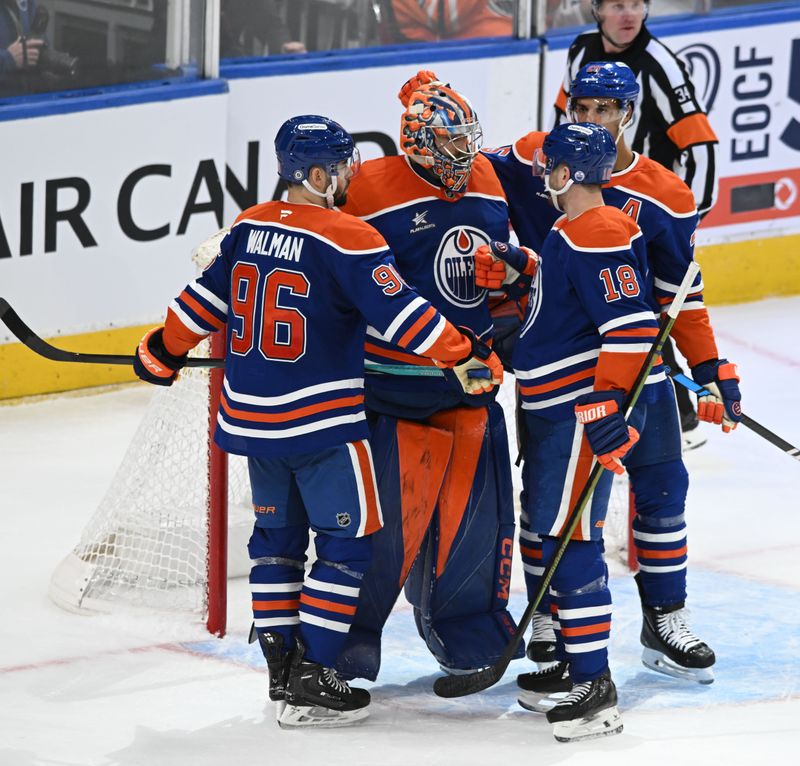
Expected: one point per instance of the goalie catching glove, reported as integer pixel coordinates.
(481, 371)
(499, 264)
(609, 436)
(724, 405)
(153, 363)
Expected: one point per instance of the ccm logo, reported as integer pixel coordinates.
(504, 569)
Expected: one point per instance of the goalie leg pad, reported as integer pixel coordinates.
(410, 463)
(460, 584)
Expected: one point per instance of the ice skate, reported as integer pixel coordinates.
(541, 690)
(588, 711)
(670, 646)
(542, 646)
(279, 664)
(316, 696)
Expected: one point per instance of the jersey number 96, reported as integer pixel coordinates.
(283, 328)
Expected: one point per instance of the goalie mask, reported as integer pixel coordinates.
(440, 130)
(311, 141)
(611, 87)
(587, 150)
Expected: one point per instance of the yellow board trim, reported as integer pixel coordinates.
(750, 271)
(732, 273)
(23, 373)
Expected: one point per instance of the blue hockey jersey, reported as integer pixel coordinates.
(588, 324)
(660, 203)
(433, 240)
(296, 285)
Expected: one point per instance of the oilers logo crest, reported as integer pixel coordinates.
(454, 266)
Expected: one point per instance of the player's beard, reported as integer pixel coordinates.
(340, 197)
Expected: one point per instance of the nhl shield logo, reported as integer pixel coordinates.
(343, 519)
(454, 266)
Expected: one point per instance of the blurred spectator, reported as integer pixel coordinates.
(18, 51)
(568, 13)
(427, 20)
(242, 22)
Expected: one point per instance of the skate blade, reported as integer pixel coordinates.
(539, 703)
(655, 660)
(604, 724)
(299, 716)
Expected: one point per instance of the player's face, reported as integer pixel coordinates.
(598, 111)
(345, 170)
(459, 143)
(621, 20)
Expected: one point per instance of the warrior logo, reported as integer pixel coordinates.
(343, 519)
(454, 266)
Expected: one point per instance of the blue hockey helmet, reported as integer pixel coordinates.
(605, 79)
(588, 151)
(313, 141)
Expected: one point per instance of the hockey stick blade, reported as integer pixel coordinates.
(29, 338)
(747, 421)
(460, 686)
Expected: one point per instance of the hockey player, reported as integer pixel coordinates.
(293, 287)
(672, 125)
(586, 332)
(444, 475)
(662, 205)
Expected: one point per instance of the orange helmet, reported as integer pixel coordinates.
(440, 130)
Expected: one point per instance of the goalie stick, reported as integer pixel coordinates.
(461, 685)
(28, 337)
(753, 425)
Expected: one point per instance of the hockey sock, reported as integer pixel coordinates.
(276, 577)
(330, 595)
(659, 530)
(583, 600)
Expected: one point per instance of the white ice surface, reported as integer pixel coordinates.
(97, 691)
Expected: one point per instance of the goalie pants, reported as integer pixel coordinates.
(332, 492)
(659, 482)
(446, 495)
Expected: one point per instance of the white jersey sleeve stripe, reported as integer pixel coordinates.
(639, 316)
(187, 320)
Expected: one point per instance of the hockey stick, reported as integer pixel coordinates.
(461, 685)
(28, 337)
(763, 432)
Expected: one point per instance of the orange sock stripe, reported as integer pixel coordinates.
(558, 383)
(587, 630)
(328, 606)
(265, 606)
(645, 553)
(532, 553)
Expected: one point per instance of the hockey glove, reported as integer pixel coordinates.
(724, 406)
(609, 436)
(421, 78)
(481, 371)
(500, 263)
(153, 363)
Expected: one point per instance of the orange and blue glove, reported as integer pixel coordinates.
(724, 405)
(609, 436)
(499, 265)
(153, 363)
